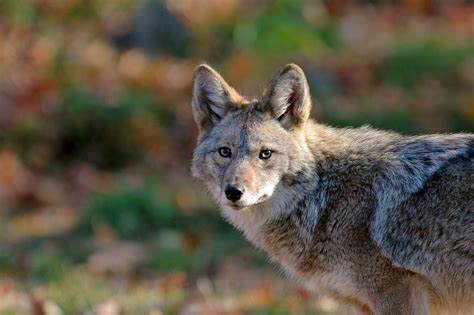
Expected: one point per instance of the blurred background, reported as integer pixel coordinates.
(98, 213)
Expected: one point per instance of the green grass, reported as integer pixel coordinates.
(176, 257)
(131, 211)
(412, 61)
(48, 266)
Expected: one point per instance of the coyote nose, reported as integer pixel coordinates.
(233, 193)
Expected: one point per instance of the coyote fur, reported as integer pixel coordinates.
(381, 221)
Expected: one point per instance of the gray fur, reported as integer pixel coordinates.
(381, 221)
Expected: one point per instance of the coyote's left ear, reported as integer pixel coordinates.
(212, 97)
(288, 97)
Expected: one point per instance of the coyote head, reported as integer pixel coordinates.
(247, 147)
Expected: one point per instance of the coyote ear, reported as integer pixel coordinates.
(212, 97)
(288, 97)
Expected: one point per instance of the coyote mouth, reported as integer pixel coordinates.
(240, 207)
(237, 207)
(262, 199)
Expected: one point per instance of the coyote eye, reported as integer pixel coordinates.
(224, 152)
(265, 154)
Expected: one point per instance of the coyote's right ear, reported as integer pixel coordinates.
(288, 97)
(212, 97)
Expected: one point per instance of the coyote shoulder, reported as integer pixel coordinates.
(378, 220)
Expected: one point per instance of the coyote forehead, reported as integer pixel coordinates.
(248, 129)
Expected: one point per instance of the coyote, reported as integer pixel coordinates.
(380, 221)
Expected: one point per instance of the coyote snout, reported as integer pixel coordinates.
(245, 183)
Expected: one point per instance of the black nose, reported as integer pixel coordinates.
(233, 193)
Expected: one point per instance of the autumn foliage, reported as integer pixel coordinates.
(98, 214)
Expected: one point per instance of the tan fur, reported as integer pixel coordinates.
(378, 220)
